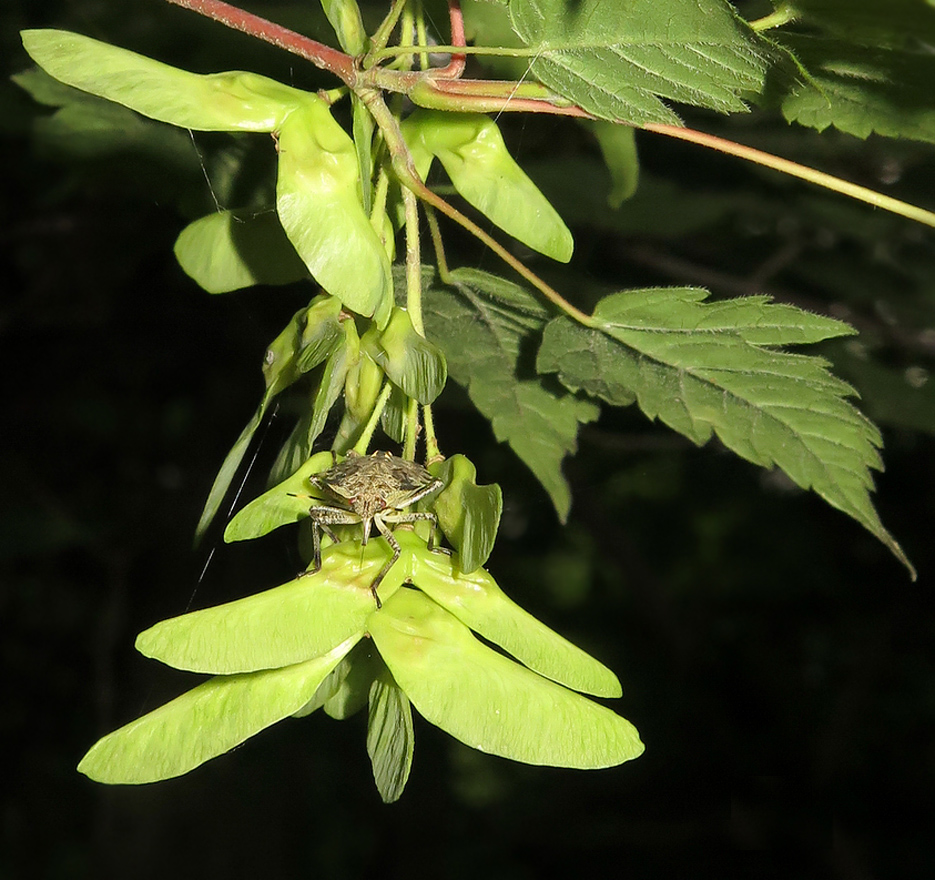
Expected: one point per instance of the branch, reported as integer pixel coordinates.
(794, 169)
(321, 55)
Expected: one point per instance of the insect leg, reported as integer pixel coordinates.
(394, 546)
(418, 516)
(322, 519)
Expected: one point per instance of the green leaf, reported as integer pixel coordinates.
(278, 372)
(618, 147)
(471, 148)
(703, 369)
(363, 666)
(322, 333)
(288, 624)
(468, 514)
(205, 722)
(390, 738)
(393, 417)
(364, 377)
(616, 60)
(362, 127)
(483, 322)
(319, 205)
(285, 503)
(478, 602)
(311, 335)
(862, 89)
(47, 90)
(487, 23)
(235, 101)
(230, 250)
(361, 390)
(410, 361)
(344, 16)
(489, 702)
(298, 448)
(893, 23)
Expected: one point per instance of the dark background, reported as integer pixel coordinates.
(775, 659)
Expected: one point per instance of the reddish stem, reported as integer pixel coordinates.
(491, 96)
(321, 55)
(443, 82)
(455, 67)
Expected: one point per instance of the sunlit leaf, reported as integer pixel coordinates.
(228, 251)
(617, 60)
(318, 201)
(410, 361)
(288, 502)
(288, 624)
(468, 514)
(471, 148)
(486, 700)
(478, 602)
(205, 722)
(701, 376)
(309, 338)
(235, 101)
(298, 448)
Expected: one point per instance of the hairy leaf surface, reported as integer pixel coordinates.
(862, 89)
(704, 369)
(618, 60)
(894, 23)
(484, 324)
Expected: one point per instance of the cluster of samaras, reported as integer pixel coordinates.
(374, 489)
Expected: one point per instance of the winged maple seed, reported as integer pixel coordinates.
(369, 489)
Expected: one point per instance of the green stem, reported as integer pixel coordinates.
(432, 452)
(794, 169)
(413, 262)
(363, 441)
(409, 177)
(379, 202)
(784, 14)
(502, 51)
(440, 259)
(383, 32)
(421, 35)
(423, 192)
(412, 430)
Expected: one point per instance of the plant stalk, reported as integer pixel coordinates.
(794, 169)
